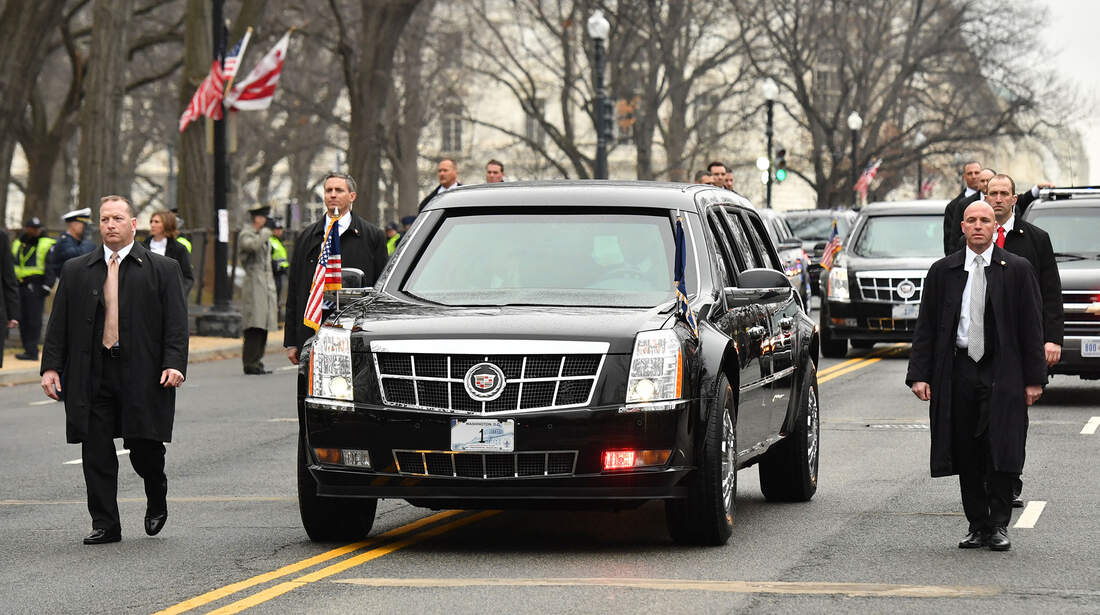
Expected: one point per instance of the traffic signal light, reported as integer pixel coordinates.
(781, 165)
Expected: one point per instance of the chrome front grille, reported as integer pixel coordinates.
(882, 286)
(534, 382)
(485, 465)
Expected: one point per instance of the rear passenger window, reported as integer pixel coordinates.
(725, 253)
(744, 244)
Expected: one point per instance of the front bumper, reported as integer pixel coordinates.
(391, 435)
(860, 320)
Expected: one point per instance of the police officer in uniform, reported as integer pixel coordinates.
(35, 282)
(73, 242)
(280, 265)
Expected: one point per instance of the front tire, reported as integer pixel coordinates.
(706, 516)
(331, 519)
(788, 472)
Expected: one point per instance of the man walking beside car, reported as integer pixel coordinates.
(977, 356)
(952, 213)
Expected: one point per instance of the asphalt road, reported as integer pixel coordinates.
(879, 536)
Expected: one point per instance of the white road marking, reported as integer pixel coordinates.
(283, 420)
(286, 368)
(44, 402)
(1030, 516)
(74, 462)
(1091, 426)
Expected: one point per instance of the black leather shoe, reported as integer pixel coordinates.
(102, 537)
(155, 523)
(1017, 503)
(998, 540)
(256, 371)
(24, 356)
(974, 540)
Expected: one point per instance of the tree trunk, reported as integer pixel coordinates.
(195, 183)
(7, 152)
(100, 151)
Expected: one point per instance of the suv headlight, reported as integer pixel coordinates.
(838, 284)
(330, 364)
(656, 367)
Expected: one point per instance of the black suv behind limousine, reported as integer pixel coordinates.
(524, 347)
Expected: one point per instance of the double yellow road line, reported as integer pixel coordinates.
(851, 365)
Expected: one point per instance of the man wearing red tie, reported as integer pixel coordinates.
(116, 349)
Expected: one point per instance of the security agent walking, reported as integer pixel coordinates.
(978, 357)
(116, 349)
(35, 281)
(259, 311)
(362, 246)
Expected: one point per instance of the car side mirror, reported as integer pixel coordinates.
(763, 278)
(351, 277)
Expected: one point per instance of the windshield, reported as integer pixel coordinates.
(900, 237)
(816, 227)
(610, 259)
(1071, 230)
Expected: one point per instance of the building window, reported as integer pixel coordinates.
(450, 130)
(533, 129)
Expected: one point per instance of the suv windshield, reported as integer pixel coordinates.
(608, 259)
(900, 237)
(1072, 229)
(816, 227)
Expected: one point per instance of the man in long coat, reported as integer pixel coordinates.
(978, 357)
(259, 300)
(9, 292)
(116, 349)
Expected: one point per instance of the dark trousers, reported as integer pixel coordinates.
(100, 462)
(31, 304)
(986, 493)
(255, 343)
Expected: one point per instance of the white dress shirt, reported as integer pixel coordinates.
(107, 252)
(969, 192)
(344, 222)
(158, 246)
(961, 339)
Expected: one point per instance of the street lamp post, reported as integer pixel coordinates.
(919, 141)
(855, 122)
(598, 29)
(770, 91)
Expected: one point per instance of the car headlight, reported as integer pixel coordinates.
(838, 284)
(656, 367)
(330, 364)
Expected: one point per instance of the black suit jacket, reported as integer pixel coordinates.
(362, 245)
(431, 195)
(178, 252)
(952, 220)
(1033, 243)
(9, 288)
(153, 336)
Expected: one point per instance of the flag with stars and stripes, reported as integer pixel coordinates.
(327, 275)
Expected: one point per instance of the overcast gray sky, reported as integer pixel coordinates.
(1072, 36)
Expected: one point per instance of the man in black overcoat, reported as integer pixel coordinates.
(978, 357)
(9, 291)
(447, 172)
(362, 246)
(952, 213)
(115, 351)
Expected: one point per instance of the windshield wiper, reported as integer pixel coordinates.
(1069, 256)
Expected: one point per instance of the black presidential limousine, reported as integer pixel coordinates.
(524, 347)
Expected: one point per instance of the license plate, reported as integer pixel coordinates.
(483, 435)
(906, 310)
(1090, 347)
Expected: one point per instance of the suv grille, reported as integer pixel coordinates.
(533, 382)
(485, 465)
(882, 286)
(1078, 321)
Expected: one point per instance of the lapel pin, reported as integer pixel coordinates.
(1002, 263)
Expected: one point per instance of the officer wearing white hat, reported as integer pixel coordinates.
(73, 242)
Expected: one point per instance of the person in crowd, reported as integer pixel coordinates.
(392, 237)
(718, 173)
(116, 355)
(977, 356)
(259, 311)
(280, 265)
(35, 282)
(494, 172)
(703, 177)
(163, 239)
(952, 213)
(73, 242)
(447, 171)
(362, 246)
(9, 292)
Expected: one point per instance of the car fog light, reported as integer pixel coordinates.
(625, 460)
(343, 457)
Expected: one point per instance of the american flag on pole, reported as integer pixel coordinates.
(926, 188)
(327, 276)
(865, 179)
(207, 99)
(255, 92)
(831, 249)
(233, 59)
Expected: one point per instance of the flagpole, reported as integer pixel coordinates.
(222, 290)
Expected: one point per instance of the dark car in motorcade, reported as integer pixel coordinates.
(872, 293)
(524, 348)
(814, 227)
(1071, 216)
(796, 263)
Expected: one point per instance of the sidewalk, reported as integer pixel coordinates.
(201, 349)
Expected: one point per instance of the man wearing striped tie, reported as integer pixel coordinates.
(978, 358)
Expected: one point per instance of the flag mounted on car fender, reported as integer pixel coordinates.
(683, 310)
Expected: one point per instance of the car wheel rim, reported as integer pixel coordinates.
(729, 459)
(811, 430)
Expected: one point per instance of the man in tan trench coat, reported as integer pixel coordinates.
(259, 310)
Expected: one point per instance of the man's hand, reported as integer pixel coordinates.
(1044, 185)
(1053, 352)
(292, 354)
(922, 391)
(1033, 392)
(171, 378)
(13, 324)
(51, 384)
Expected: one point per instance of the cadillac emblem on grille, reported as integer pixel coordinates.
(906, 289)
(484, 382)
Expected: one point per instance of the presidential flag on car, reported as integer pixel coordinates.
(683, 310)
(207, 99)
(831, 249)
(327, 275)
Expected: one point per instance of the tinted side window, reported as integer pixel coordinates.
(763, 246)
(726, 260)
(741, 239)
